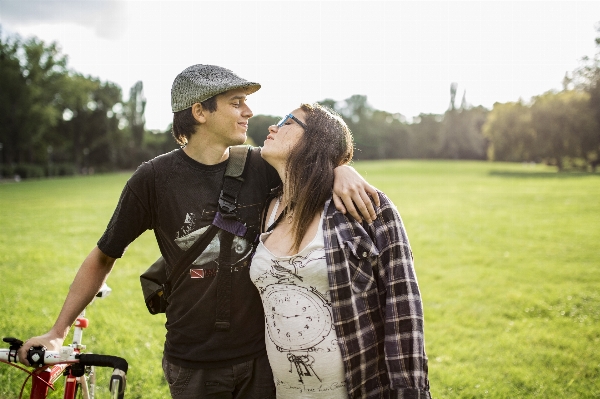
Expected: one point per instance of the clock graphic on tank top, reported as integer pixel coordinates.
(297, 318)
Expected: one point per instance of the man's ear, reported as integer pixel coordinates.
(199, 113)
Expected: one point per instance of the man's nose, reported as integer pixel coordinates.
(247, 112)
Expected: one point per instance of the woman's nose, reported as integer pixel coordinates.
(273, 129)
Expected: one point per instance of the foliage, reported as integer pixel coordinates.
(506, 256)
(51, 115)
(135, 112)
(557, 127)
(427, 136)
(32, 75)
(510, 131)
(462, 133)
(258, 128)
(587, 77)
(383, 135)
(157, 143)
(565, 126)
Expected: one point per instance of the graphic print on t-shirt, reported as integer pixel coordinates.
(298, 318)
(189, 233)
(301, 340)
(189, 225)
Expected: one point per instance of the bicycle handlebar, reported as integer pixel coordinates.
(89, 359)
(39, 357)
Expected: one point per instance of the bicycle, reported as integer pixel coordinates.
(78, 368)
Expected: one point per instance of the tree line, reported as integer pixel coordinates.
(56, 121)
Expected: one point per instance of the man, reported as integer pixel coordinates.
(176, 195)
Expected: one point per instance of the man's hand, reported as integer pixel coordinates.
(49, 341)
(351, 191)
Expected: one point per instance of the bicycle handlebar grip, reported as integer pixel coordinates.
(89, 359)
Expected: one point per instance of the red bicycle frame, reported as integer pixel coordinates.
(42, 380)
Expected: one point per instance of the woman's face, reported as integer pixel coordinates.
(283, 137)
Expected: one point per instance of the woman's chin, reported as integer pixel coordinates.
(268, 156)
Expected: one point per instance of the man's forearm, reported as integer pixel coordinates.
(89, 279)
(352, 194)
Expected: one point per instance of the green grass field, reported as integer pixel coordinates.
(507, 256)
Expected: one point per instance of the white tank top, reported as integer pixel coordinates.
(300, 337)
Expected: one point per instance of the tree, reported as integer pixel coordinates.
(565, 126)
(426, 136)
(587, 78)
(35, 73)
(258, 128)
(12, 97)
(90, 134)
(135, 108)
(368, 140)
(391, 134)
(462, 135)
(509, 129)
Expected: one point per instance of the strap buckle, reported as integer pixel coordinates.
(227, 205)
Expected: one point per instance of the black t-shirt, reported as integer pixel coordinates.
(177, 197)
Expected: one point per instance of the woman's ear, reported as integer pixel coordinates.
(198, 113)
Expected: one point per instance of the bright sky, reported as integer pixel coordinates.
(402, 55)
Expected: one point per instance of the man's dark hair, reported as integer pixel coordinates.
(184, 123)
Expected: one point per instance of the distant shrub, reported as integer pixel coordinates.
(61, 169)
(28, 171)
(7, 171)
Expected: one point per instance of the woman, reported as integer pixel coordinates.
(342, 305)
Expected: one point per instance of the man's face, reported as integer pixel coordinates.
(229, 123)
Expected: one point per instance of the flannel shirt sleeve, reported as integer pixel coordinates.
(404, 335)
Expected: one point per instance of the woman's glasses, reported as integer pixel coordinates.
(290, 116)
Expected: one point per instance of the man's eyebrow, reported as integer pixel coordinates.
(238, 97)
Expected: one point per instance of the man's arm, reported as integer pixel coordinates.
(351, 191)
(89, 279)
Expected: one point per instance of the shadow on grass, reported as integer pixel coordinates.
(541, 175)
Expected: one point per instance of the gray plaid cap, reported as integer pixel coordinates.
(201, 82)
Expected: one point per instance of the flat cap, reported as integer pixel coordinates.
(201, 82)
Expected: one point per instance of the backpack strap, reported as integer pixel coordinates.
(227, 221)
(225, 218)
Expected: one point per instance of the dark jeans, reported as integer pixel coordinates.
(248, 380)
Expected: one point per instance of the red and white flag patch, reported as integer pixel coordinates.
(197, 273)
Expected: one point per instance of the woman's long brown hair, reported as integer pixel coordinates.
(325, 145)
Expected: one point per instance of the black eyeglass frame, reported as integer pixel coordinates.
(290, 116)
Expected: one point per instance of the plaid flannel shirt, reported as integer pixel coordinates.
(376, 303)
